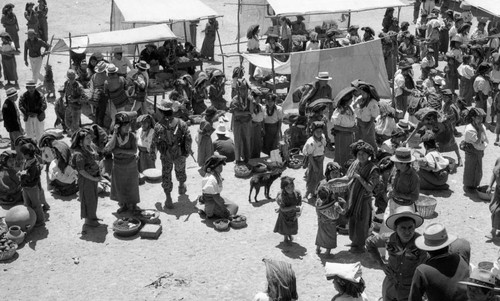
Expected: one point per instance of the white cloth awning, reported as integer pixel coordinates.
(301, 7)
(153, 33)
(489, 6)
(162, 11)
(264, 63)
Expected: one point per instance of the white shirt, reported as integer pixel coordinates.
(68, 176)
(399, 83)
(435, 161)
(367, 113)
(313, 147)
(144, 139)
(122, 65)
(471, 137)
(312, 46)
(210, 186)
(277, 115)
(347, 120)
(466, 71)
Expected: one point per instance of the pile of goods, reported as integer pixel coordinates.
(126, 226)
(221, 224)
(7, 248)
(238, 221)
(150, 216)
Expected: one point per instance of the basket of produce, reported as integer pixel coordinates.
(338, 185)
(295, 163)
(221, 224)
(481, 192)
(426, 206)
(8, 249)
(149, 216)
(126, 226)
(238, 222)
(242, 171)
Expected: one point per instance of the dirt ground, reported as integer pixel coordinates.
(194, 261)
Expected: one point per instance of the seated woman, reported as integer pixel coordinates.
(10, 183)
(389, 146)
(62, 177)
(433, 167)
(215, 205)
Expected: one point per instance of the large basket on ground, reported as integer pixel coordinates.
(338, 185)
(426, 206)
(238, 221)
(221, 224)
(8, 254)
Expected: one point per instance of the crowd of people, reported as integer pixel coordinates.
(374, 162)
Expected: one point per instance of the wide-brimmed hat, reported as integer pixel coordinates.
(323, 75)
(101, 67)
(404, 65)
(435, 237)
(31, 83)
(165, 105)
(463, 27)
(446, 92)
(111, 68)
(403, 124)
(300, 17)
(117, 50)
(31, 31)
(142, 65)
(319, 101)
(404, 211)
(5, 155)
(403, 155)
(348, 271)
(333, 32)
(221, 129)
(125, 117)
(213, 162)
(424, 112)
(481, 278)
(317, 125)
(11, 92)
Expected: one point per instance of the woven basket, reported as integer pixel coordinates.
(221, 224)
(6, 255)
(130, 231)
(241, 171)
(426, 206)
(238, 222)
(338, 186)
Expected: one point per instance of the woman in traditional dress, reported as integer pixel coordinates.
(281, 282)
(8, 59)
(466, 74)
(31, 16)
(273, 117)
(344, 126)
(257, 125)
(215, 205)
(144, 138)
(200, 93)
(329, 207)
(314, 150)
(289, 201)
(451, 72)
(125, 175)
(9, 22)
(433, 170)
(216, 90)
(115, 89)
(495, 200)
(43, 28)
(207, 49)
(241, 109)
(83, 161)
(366, 109)
(476, 142)
(364, 176)
(61, 175)
(204, 139)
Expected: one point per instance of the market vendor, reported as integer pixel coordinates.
(10, 183)
(316, 90)
(121, 62)
(433, 170)
(299, 27)
(150, 56)
(61, 176)
(215, 205)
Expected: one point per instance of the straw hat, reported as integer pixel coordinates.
(31, 31)
(165, 105)
(348, 271)
(142, 65)
(404, 211)
(323, 75)
(112, 69)
(31, 83)
(435, 237)
(221, 129)
(11, 92)
(101, 67)
(481, 278)
(403, 155)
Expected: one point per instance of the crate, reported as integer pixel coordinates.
(150, 231)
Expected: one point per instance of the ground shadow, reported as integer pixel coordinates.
(437, 193)
(261, 202)
(183, 207)
(12, 259)
(348, 257)
(474, 197)
(94, 234)
(292, 249)
(65, 198)
(432, 216)
(35, 235)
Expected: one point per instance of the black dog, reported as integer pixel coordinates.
(265, 180)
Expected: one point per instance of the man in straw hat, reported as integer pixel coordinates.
(439, 276)
(140, 79)
(33, 105)
(32, 47)
(404, 256)
(173, 140)
(316, 90)
(481, 285)
(121, 62)
(223, 144)
(11, 119)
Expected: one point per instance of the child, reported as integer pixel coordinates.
(347, 280)
(289, 201)
(60, 110)
(329, 207)
(10, 184)
(30, 182)
(204, 139)
(314, 150)
(144, 137)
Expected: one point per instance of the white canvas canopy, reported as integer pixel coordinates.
(153, 33)
(264, 63)
(490, 6)
(301, 7)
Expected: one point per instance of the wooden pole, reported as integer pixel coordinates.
(399, 12)
(349, 20)
(273, 73)
(221, 51)
(239, 29)
(111, 15)
(69, 49)
(185, 32)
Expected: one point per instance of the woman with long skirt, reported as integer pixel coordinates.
(289, 201)
(9, 60)
(43, 27)
(367, 109)
(205, 146)
(466, 73)
(207, 49)
(364, 176)
(125, 174)
(476, 142)
(9, 22)
(344, 127)
(273, 118)
(83, 161)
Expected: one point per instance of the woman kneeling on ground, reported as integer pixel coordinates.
(10, 183)
(433, 170)
(62, 177)
(215, 205)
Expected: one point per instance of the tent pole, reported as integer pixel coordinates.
(111, 15)
(273, 73)
(69, 35)
(185, 32)
(399, 11)
(221, 51)
(394, 63)
(349, 20)
(238, 34)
